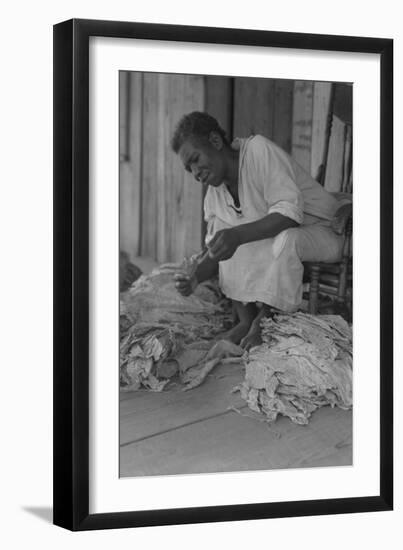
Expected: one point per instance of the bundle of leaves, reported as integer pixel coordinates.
(158, 325)
(305, 362)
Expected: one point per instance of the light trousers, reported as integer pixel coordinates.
(271, 270)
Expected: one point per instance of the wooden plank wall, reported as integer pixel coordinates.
(130, 169)
(151, 157)
(160, 204)
(264, 106)
(219, 101)
(322, 132)
(253, 106)
(179, 200)
(302, 123)
(339, 162)
(283, 113)
(320, 112)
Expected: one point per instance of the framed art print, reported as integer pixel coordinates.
(223, 274)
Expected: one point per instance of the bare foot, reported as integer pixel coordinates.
(252, 338)
(254, 335)
(237, 333)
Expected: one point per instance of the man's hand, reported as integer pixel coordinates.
(224, 244)
(184, 284)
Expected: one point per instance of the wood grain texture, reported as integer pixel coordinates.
(210, 438)
(282, 114)
(161, 205)
(335, 158)
(173, 98)
(321, 106)
(151, 156)
(163, 181)
(253, 107)
(195, 99)
(123, 114)
(218, 101)
(179, 198)
(348, 161)
(130, 169)
(143, 413)
(219, 104)
(302, 123)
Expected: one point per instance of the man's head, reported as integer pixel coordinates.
(196, 126)
(201, 144)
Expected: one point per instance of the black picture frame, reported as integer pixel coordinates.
(71, 274)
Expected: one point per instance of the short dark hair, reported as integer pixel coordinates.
(195, 125)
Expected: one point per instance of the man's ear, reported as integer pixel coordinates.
(216, 140)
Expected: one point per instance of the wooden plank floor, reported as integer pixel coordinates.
(209, 429)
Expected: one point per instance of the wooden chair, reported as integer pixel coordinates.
(335, 279)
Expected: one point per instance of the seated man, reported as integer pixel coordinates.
(265, 215)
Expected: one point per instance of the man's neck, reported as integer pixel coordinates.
(231, 180)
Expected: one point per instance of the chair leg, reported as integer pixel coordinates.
(314, 289)
(341, 291)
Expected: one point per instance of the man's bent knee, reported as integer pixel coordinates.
(286, 240)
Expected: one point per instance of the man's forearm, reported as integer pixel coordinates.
(265, 228)
(207, 268)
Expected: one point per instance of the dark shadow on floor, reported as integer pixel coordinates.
(42, 512)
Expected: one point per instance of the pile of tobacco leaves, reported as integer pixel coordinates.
(164, 335)
(305, 362)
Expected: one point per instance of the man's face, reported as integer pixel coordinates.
(205, 160)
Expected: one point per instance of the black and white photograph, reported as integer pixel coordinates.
(202, 254)
(235, 274)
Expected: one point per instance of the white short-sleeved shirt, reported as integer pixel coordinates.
(269, 181)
